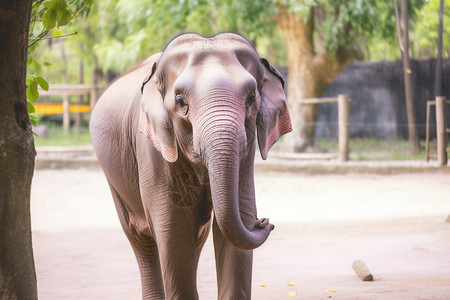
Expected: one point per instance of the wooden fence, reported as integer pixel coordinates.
(441, 130)
(343, 121)
(65, 107)
(67, 90)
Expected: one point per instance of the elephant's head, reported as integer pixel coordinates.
(205, 99)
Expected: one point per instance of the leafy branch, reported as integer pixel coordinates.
(48, 15)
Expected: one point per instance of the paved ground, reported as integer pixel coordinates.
(394, 223)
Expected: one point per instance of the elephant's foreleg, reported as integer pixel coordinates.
(178, 251)
(233, 266)
(145, 250)
(149, 267)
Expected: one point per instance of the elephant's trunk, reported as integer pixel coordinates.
(223, 153)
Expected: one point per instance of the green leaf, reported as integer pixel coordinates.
(42, 82)
(49, 19)
(32, 91)
(55, 4)
(64, 17)
(30, 107)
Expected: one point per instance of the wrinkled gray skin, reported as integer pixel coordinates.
(175, 138)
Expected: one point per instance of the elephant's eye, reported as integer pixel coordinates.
(250, 100)
(182, 106)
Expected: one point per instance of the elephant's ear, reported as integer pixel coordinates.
(154, 121)
(273, 118)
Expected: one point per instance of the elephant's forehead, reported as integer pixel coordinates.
(196, 52)
(199, 47)
(223, 40)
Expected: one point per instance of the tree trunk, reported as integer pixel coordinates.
(17, 153)
(403, 38)
(309, 73)
(410, 110)
(438, 73)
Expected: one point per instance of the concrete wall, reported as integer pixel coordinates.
(378, 98)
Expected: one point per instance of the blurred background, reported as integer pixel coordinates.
(386, 56)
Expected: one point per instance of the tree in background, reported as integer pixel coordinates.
(402, 20)
(322, 38)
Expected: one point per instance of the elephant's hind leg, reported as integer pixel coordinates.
(146, 252)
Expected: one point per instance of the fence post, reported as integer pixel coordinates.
(93, 96)
(441, 134)
(343, 118)
(427, 134)
(66, 112)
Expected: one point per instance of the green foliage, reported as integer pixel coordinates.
(47, 16)
(119, 33)
(56, 13)
(338, 24)
(132, 29)
(32, 82)
(366, 28)
(32, 87)
(382, 44)
(425, 35)
(302, 8)
(253, 18)
(348, 23)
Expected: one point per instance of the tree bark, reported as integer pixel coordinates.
(17, 153)
(310, 71)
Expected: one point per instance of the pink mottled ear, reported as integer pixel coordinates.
(273, 119)
(154, 121)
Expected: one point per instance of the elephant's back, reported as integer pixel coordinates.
(117, 100)
(116, 113)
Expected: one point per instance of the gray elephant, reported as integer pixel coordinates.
(176, 140)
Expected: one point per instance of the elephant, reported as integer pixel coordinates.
(176, 140)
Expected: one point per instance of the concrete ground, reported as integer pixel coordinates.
(395, 223)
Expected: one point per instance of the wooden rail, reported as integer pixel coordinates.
(343, 121)
(441, 130)
(65, 108)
